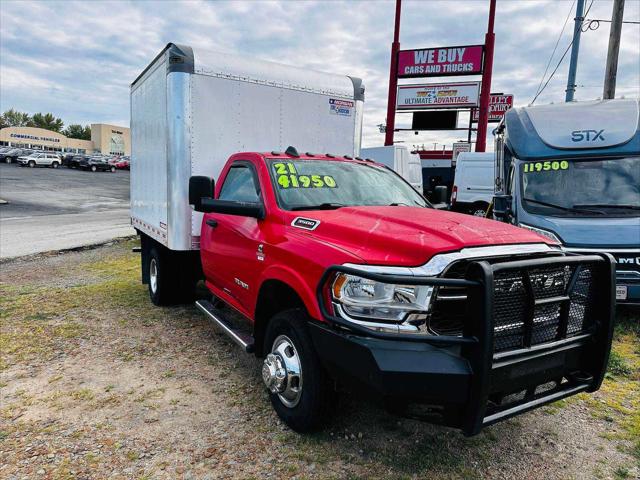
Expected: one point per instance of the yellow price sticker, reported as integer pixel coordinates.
(306, 181)
(534, 167)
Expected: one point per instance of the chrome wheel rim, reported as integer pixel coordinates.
(153, 275)
(479, 213)
(282, 371)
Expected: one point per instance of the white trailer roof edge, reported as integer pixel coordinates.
(181, 58)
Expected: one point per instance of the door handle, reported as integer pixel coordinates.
(211, 222)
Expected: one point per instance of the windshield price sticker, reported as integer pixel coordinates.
(288, 177)
(534, 167)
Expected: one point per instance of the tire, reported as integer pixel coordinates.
(478, 209)
(113, 169)
(300, 401)
(32, 164)
(8, 159)
(158, 276)
(94, 168)
(55, 165)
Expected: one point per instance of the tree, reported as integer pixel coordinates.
(47, 121)
(13, 118)
(78, 131)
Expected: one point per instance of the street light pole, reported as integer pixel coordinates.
(614, 48)
(575, 47)
(393, 79)
(483, 120)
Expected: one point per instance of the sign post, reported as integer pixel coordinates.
(393, 79)
(481, 137)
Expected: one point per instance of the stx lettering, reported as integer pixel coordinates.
(587, 135)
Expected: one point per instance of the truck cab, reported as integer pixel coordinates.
(571, 172)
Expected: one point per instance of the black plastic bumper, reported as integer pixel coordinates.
(466, 375)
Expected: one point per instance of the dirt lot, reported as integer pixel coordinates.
(95, 382)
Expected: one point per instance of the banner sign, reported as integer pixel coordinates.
(438, 95)
(498, 106)
(437, 62)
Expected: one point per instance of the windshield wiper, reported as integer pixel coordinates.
(322, 206)
(560, 207)
(604, 205)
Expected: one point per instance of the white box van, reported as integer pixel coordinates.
(473, 184)
(400, 160)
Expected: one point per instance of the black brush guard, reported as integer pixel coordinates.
(543, 370)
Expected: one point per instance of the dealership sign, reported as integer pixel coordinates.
(438, 95)
(437, 62)
(498, 106)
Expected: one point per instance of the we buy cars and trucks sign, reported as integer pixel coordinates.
(438, 62)
(438, 95)
(498, 106)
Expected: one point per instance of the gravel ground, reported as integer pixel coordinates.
(95, 382)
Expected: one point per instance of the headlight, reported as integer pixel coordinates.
(371, 300)
(540, 231)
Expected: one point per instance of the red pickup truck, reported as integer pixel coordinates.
(347, 276)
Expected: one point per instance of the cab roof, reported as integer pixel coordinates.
(598, 128)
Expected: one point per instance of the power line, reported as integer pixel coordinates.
(561, 59)
(556, 46)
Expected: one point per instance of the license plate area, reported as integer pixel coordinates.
(621, 292)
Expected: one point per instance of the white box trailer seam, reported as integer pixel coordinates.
(190, 116)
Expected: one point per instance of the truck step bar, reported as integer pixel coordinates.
(242, 338)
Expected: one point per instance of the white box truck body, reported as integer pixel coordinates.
(192, 109)
(400, 160)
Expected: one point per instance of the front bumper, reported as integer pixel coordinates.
(468, 380)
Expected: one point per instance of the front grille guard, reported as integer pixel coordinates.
(477, 341)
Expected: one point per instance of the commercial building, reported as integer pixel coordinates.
(105, 139)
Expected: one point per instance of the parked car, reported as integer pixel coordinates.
(12, 154)
(44, 159)
(473, 184)
(96, 164)
(123, 164)
(74, 162)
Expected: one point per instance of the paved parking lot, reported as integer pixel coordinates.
(58, 209)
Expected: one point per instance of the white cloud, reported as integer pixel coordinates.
(77, 59)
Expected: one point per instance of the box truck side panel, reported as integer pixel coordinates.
(230, 116)
(149, 153)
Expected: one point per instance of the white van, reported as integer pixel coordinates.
(473, 184)
(400, 160)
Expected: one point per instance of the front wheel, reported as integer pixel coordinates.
(55, 165)
(113, 169)
(32, 164)
(94, 168)
(298, 386)
(479, 209)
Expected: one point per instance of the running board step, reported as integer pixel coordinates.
(244, 339)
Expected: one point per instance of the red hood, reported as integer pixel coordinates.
(407, 236)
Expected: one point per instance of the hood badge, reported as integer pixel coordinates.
(305, 223)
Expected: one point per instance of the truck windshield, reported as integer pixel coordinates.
(590, 187)
(327, 184)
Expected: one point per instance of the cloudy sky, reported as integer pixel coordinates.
(77, 59)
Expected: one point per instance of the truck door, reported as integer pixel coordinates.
(229, 242)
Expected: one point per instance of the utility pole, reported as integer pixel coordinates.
(483, 120)
(614, 48)
(393, 80)
(575, 48)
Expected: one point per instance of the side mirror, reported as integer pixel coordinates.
(199, 188)
(231, 207)
(502, 207)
